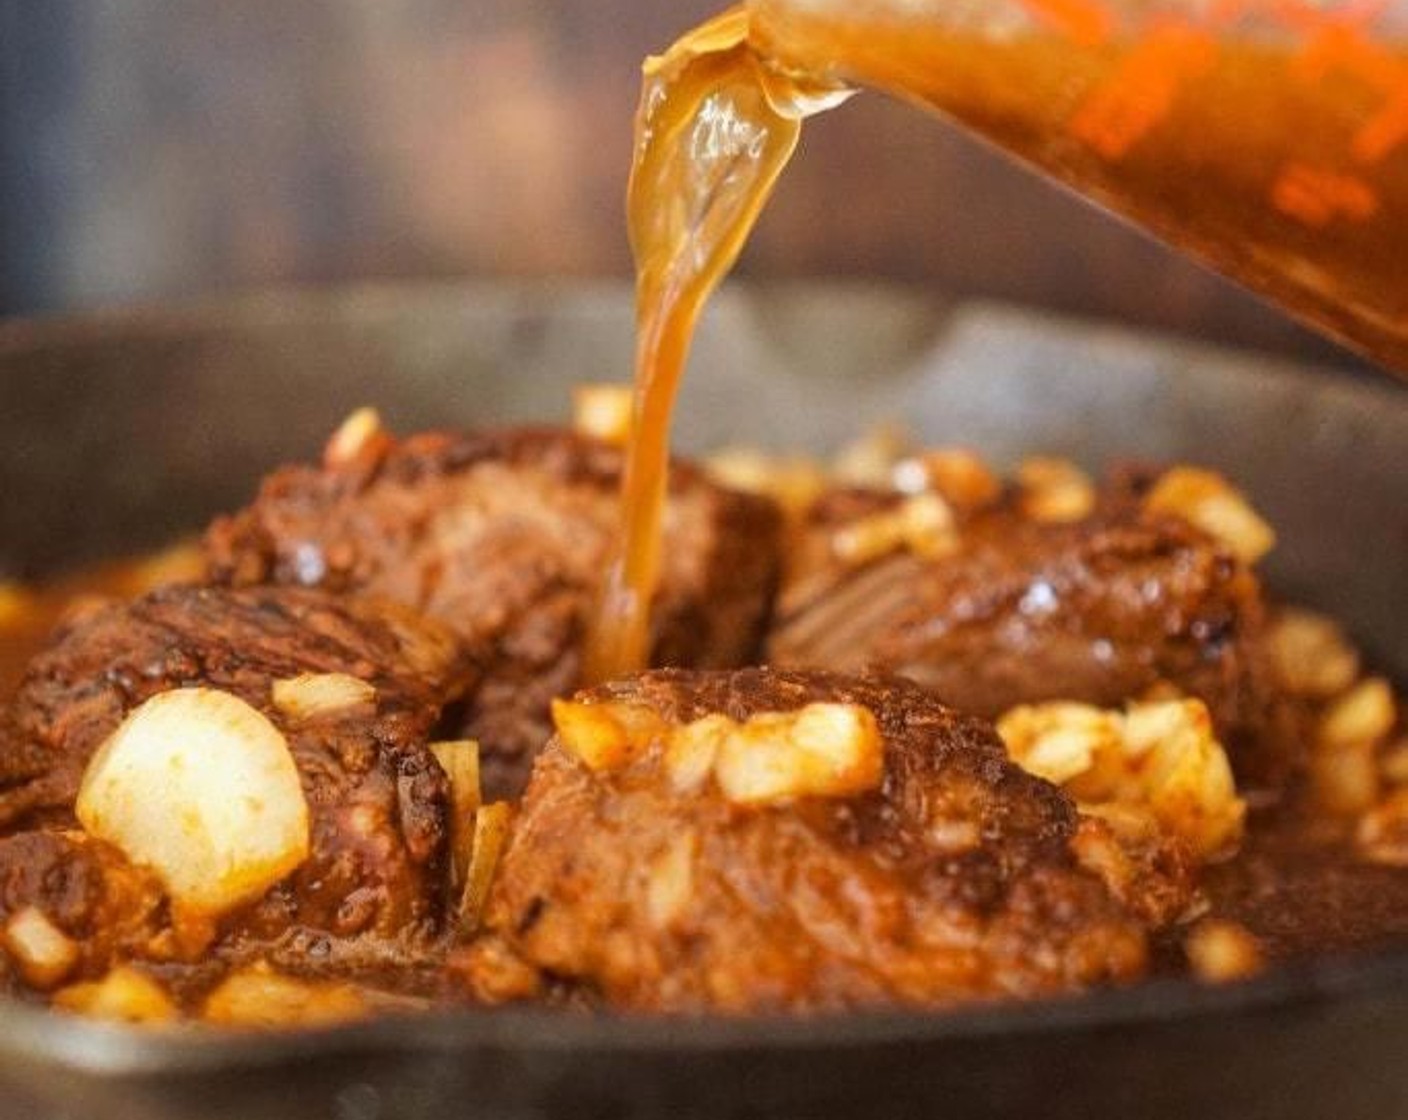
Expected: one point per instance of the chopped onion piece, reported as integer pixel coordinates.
(821, 750)
(360, 438)
(199, 786)
(693, 749)
(315, 695)
(1222, 951)
(260, 997)
(956, 474)
(1382, 834)
(124, 995)
(42, 952)
(605, 736)
(1209, 502)
(491, 825)
(459, 758)
(603, 411)
(1310, 654)
(870, 460)
(1157, 757)
(1054, 490)
(1364, 715)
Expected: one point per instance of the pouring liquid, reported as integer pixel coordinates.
(1268, 138)
(714, 129)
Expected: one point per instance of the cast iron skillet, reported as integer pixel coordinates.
(117, 433)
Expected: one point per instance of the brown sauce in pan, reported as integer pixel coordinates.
(1298, 885)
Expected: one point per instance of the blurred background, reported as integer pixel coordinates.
(155, 151)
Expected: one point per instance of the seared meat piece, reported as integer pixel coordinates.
(955, 876)
(1020, 611)
(90, 903)
(503, 536)
(377, 798)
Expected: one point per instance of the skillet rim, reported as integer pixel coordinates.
(32, 1034)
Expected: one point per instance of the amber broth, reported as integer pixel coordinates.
(713, 131)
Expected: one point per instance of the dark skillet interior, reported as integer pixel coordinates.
(121, 433)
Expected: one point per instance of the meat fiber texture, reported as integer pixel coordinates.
(504, 536)
(957, 880)
(1021, 611)
(375, 880)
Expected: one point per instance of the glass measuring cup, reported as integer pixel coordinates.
(1268, 138)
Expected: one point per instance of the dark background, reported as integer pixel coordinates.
(155, 150)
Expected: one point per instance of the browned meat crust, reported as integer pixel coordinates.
(89, 892)
(1097, 610)
(377, 796)
(958, 880)
(503, 535)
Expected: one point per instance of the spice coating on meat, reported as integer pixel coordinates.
(503, 536)
(1097, 610)
(956, 880)
(89, 892)
(377, 797)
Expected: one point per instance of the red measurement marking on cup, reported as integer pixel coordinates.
(1384, 131)
(1316, 196)
(1336, 43)
(1086, 22)
(1335, 47)
(1339, 48)
(1141, 91)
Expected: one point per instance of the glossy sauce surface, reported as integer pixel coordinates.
(1298, 884)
